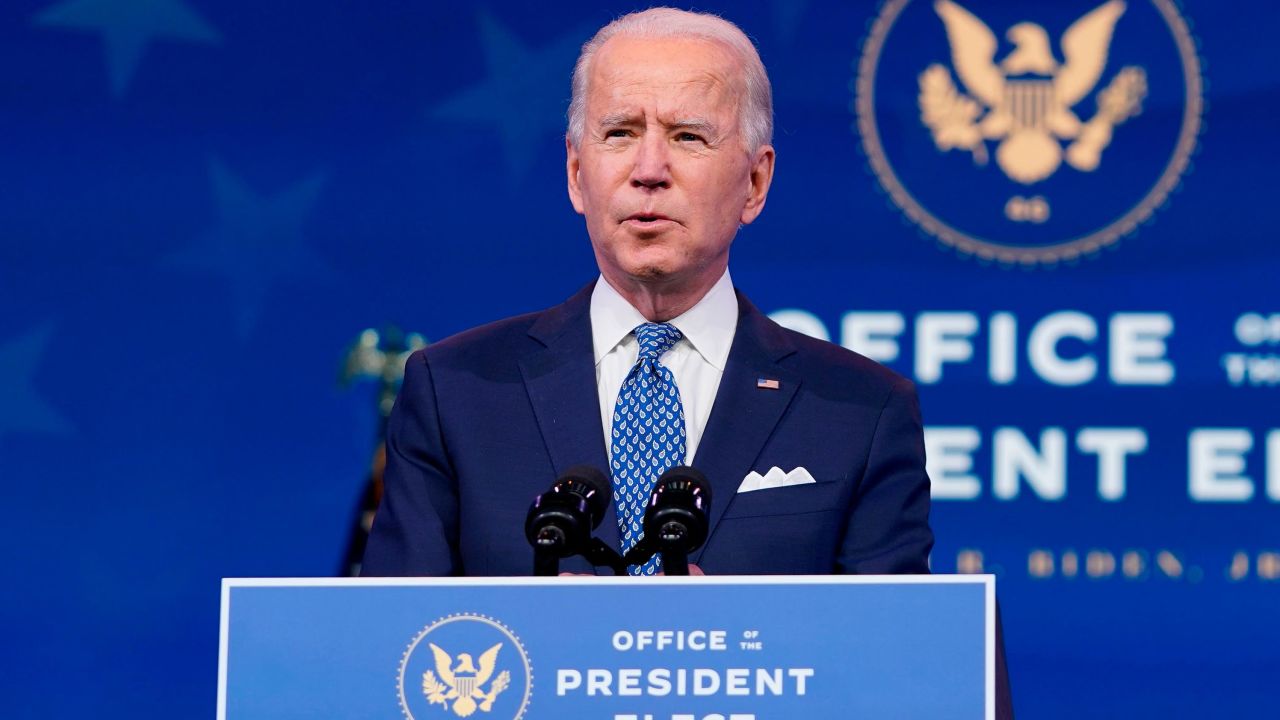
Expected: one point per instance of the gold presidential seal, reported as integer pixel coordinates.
(1068, 179)
(475, 664)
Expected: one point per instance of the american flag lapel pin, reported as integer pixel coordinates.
(767, 384)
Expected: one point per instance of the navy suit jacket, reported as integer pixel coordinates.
(487, 419)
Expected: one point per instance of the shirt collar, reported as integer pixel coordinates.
(708, 326)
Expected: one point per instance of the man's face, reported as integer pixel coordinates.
(662, 173)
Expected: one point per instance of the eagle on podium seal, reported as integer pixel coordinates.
(464, 666)
(1045, 142)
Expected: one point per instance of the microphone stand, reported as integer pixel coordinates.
(672, 541)
(670, 544)
(601, 555)
(548, 548)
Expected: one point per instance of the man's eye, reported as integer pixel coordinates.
(688, 137)
(616, 133)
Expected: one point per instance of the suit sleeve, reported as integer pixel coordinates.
(888, 530)
(415, 531)
(889, 527)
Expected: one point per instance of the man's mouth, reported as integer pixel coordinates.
(647, 218)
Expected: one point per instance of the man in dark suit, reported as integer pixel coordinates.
(815, 454)
(488, 419)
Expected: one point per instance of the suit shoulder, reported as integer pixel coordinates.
(827, 363)
(500, 342)
(498, 339)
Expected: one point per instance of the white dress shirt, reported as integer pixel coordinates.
(697, 360)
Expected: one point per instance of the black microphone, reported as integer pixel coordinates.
(675, 522)
(560, 520)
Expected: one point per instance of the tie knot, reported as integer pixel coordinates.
(655, 339)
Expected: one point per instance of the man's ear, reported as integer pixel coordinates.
(758, 183)
(571, 167)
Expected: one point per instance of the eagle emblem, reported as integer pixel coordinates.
(1024, 102)
(462, 682)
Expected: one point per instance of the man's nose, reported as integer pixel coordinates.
(652, 163)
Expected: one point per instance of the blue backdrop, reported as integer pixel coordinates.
(202, 204)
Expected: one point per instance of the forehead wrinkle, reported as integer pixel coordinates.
(618, 77)
(629, 93)
(624, 83)
(694, 100)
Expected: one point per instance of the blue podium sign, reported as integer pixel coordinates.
(723, 648)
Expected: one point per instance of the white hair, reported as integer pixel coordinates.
(756, 114)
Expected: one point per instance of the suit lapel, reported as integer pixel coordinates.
(744, 416)
(560, 378)
(561, 382)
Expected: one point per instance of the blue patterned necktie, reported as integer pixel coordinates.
(648, 433)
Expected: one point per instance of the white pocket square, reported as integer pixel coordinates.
(775, 478)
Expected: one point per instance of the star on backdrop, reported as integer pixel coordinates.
(128, 27)
(258, 240)
(21, 408)
(524, 97)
